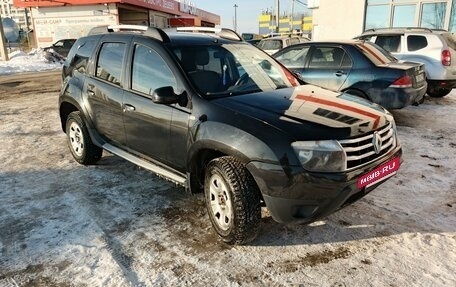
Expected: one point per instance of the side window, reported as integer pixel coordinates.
(322, 57)
(58, 44)
(150, 72)
(340, 59)
(82, 55)
(415, 43)
(391, 43)
(293, 57)
(109, 65)
(294, 41)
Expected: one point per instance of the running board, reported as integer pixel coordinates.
(146, 164)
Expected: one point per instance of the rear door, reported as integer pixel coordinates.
(104, 89)
(327, 66)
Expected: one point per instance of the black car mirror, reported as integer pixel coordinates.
(165, 95)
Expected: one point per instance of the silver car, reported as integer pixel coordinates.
(434, 48)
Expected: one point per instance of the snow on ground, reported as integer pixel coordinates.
(114, 224)
(33, 61)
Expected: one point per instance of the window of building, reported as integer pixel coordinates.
(452, 27)
(377, 16)
(150, 71)
(109, 66)
(433, 15)
(416, 42)
(404, 16)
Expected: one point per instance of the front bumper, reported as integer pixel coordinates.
(293, 195)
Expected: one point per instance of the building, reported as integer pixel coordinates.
(287, 24)
(349, 18)
(17, 14)
(52, 20)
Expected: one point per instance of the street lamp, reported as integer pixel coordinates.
(235, 17)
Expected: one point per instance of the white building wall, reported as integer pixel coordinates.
(341, 19)
(55, 23)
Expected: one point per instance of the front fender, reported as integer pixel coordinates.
(230, 140)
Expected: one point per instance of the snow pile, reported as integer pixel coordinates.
(33, 61)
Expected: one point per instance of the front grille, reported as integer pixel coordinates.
(361, 150)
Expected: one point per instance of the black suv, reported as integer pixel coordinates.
(217, 115)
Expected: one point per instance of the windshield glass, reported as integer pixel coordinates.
(270, 44)
(232, 69)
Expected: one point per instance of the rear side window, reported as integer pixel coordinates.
(82, 53)
(415, 43)
(109, 65)
(391, 43)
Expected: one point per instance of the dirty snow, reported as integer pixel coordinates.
(114, 224)
(32, 61)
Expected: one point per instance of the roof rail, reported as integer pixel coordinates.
(153, 32)
(221, 32)
(405, 29)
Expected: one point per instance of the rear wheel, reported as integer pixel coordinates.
(438, 92)
(79, 141)
(232, 200)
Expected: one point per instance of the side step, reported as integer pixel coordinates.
(146, 164)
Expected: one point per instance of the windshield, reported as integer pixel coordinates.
(232, 69)
(270, 44)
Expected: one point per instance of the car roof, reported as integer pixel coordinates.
(403, 30)
(334, 42)
(173, 36)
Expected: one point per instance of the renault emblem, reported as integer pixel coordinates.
(377, 142)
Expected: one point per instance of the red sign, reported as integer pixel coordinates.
(380, 173)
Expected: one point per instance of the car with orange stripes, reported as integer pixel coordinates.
(359, 68)
(214, 114)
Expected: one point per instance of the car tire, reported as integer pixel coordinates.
(438, 92)
(79, 141)
(232, 200)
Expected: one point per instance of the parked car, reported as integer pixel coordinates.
(359, 68)
(274, 44)
(434, 48)
(216, 115)
(59, 50)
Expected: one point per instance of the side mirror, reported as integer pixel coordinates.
(165, 96)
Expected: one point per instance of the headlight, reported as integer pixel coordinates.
(324, 156)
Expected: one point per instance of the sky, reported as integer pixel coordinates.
(247, 11)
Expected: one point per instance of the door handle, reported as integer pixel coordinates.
(128, 108)
(340, 73)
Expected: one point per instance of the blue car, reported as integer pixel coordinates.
(359, 68)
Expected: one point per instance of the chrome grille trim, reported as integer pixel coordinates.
(360, 151)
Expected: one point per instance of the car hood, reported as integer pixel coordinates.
(310, 113)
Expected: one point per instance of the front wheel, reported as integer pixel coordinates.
(79, 141)
(232, 200)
